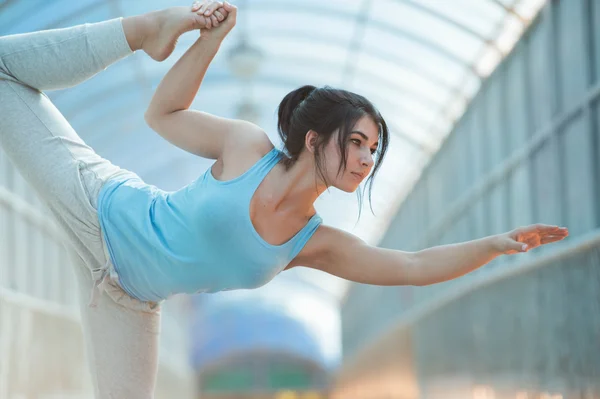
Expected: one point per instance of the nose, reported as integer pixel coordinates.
(367, 160)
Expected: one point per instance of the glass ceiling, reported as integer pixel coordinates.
(419, 62)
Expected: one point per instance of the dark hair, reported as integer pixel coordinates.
(326, 110)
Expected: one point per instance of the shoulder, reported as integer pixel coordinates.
(245, 145)
(325, 245)
(247, 139)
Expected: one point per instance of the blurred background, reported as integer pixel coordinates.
(493, 107)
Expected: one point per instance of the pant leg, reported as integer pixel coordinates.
(34, 134)
(60, 58)
(121, 336)
(121, 343)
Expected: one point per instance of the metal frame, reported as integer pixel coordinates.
(396, 59)
(589, 122)
(344, 15)
(452, 22)
(467, 285)
(221, 79)
(502, 171)
(341, 14)
(355, 45)
(78, 107)
(394, 130)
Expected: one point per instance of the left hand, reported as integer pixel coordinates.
(523, 239)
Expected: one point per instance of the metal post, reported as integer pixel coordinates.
(590, 125)
(557, 106)
(5, 347)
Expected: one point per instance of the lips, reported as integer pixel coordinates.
(358, 175)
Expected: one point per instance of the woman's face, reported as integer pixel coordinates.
(361, 145)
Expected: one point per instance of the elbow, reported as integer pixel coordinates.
(416, 272)
(153, 118)
(150, 118)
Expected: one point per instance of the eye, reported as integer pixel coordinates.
(356, 141)
(373, 151)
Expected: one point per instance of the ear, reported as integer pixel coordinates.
(310, 140)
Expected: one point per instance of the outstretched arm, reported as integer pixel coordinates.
(168, 113)
(346, 256)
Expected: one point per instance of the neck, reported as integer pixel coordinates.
(298, 188)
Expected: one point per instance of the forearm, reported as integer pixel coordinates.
(446, 262)
(180, 85)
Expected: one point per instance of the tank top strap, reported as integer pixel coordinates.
(300, 240)
(263, 166)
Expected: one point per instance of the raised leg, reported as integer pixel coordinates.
(61, 58)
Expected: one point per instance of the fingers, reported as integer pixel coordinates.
(541, 230)
(554, 230)
(198, 7)
(206, 8)
(220, 14)
(548, 228)
(213, 12)
(552, 238)
(212, 7)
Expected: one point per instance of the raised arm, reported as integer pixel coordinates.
(345, 255)
(168, 113)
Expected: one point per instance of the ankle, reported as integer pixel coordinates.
(136, 30)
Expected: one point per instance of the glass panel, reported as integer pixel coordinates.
(478, 15)
(546, 180)
(576, 145)
(12, 13)
(528, 9)
(304, 70)
(404, 78)
(275, 47)
(541, 87)
(520, 196)
(595, 40)
(516, 109)
(571, 52)
(349, 6)
(300, 20)
(424, 57)
(425, 25)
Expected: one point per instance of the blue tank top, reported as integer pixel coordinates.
(197, 239)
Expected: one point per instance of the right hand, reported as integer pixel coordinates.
(220, 17)
(526, 238)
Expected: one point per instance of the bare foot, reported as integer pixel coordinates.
(164, 28)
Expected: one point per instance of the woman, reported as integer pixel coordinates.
(238, 225)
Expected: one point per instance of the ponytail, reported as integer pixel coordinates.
(286, 109)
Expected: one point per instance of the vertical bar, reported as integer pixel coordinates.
(508, 217)
(23, 353)
(5, 348)
(21, 240)
(10, 230)
(486, 164)
(473, 233)
(588, 114)
(556, 107)
(530, 126)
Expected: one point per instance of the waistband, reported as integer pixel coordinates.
(106, 279)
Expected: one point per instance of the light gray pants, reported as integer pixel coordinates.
(121, 333)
